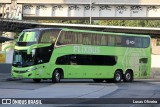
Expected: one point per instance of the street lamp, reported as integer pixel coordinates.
(90, 18)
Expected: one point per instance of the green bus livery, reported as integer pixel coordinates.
(59, 53)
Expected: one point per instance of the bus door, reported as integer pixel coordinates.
(42, 68)
(143, 67)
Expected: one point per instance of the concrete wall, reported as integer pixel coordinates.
(101, 9)
(155, 61)
(5, 1)
(9, 57)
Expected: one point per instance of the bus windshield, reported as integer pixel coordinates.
(22, 59)
(27, 38)
(37, 56)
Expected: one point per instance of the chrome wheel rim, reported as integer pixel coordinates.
(118, 77)
(57, 75)
(128, 76)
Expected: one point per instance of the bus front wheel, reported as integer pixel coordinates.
(37, 80)
(56, 76)
(128, 76)
(117, 76)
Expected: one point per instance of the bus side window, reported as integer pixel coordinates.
(87, 38)
(62, 60)
(118, 41)
(104, 40)
(45, 38)
(94, 39)
(111, 40)
(138, 42)
(146, 42)
(73, 59)
(67, 38)
(79, 38)
(61, 39)
(99, 36)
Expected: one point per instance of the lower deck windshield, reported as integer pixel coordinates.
(22, 59)
(37, 56)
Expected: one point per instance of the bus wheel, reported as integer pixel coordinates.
(98, 80)
(56, 76)
(128, 76)
(117, 76)
(37, 80)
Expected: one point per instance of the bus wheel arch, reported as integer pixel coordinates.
(128, 76)
(118, 75)
(57, 75)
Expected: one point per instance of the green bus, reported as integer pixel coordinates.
(59, 53)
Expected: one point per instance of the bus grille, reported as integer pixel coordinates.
(20, 72)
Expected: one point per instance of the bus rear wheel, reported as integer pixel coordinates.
(37, 80)
(117, 77)
(128, 76)
(56, 76)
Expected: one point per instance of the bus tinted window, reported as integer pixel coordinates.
(118, 40)
(87, 39)
(104, 40)
(138, 42)
(146, 42)
(76, 59)
(67, 37)
(49, 36)
(111, 40)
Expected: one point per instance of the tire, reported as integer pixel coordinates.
(128, 76)
(56, 76)
(98, 80)
(37, 80)
(117, 77)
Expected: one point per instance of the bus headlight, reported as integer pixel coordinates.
(31, 69)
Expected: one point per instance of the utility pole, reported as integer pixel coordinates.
(90, 18)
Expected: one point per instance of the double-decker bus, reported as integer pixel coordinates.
(59, 53)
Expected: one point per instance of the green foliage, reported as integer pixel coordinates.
(65, 21)
(133, 23)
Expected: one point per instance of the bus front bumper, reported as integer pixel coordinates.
(25, 73)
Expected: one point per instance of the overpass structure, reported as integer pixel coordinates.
(80, 9)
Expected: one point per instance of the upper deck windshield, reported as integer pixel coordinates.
(27, 38)
(30, 37)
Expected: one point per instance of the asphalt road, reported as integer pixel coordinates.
(81, 88)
